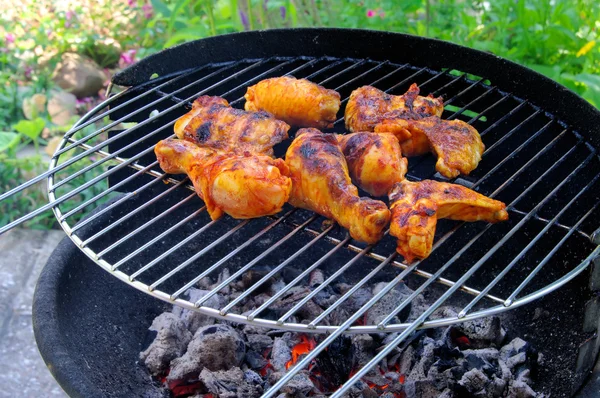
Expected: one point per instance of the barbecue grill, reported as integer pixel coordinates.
(540, 159)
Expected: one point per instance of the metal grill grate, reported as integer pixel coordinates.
(542, 169)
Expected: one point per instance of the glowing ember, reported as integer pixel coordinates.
(303, 347)
(401, 379)
(463, 340)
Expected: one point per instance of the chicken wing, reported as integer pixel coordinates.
(298, 102)
(243, 186)
(416, 207)
(370, 109)
(456, 144)
(320, 182)
(375, 161)
(213, 123)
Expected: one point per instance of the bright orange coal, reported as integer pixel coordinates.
(305, 345)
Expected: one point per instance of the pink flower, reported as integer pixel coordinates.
(10, 38)
(127, 58)
(27, 73)
(131, 3)
(370, 13)
(147, 10)
(69, 15)
(382, 14)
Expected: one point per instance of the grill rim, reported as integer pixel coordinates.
(436, 54)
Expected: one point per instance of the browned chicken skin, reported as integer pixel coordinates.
(298, 102)
(214, 124)
(320, 182)
(415, 120)
(375, 161)
(416, 207)
(243, 186)
(370, 109)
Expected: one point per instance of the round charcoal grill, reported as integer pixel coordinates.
(540, 159)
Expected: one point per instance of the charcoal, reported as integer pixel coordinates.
(255, 274)
(427, 358)
(205, 283)
(358, 299)
(215, 347)
(316, 278)
(516, 360)
(325, 298)
(299, 384)
(193, 319)
(360, 389)
(281, 354)
(483, 331)
(487, 354)
(516, 346)
(276, 286)
(172, 338)
(253, 329)
(290, 273)
(519, 389)
(363, 349)
(259, 342)
(418, 306)
(388, 303)
(229, 383)
(310, 310)
(252, 377)
(255, 360)
(224, 274)
(407, 360)
(474, 381)
(336, 362)
(289, 299)
(421, 389)
(524, 375)
(497, 387)
(505, 371)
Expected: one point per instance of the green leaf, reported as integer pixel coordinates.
(8, 140)
(31, 128)
(161, 7)
(186, 34)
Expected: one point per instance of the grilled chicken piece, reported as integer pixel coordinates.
(416, 207)
(298, 102)
(370, 109)
(243, 186)
(320, 182)
(457, 144)
(374, 160)
(213, 123)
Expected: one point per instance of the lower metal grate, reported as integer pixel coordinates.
(545, 172)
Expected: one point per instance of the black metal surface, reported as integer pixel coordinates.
(376, 45)
(90, 334)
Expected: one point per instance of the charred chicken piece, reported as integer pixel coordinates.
(213, 123)
(374, 160)
(320, 182)
(243, 186)
(416, 207)
(298, 102)
(370, 109)
(456, 144)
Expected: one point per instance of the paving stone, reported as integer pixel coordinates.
(24, 254)
(24, 373)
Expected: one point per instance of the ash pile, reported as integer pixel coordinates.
(194, 355)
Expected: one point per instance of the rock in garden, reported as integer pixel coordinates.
(170, 342)
(78, 75)
(34, 105)
(62, 107)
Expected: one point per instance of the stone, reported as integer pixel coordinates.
(215, 347)
(34, 105)
(192, 319)
(78, 75)
(62, 106)
(172, 338)
(474, 380)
